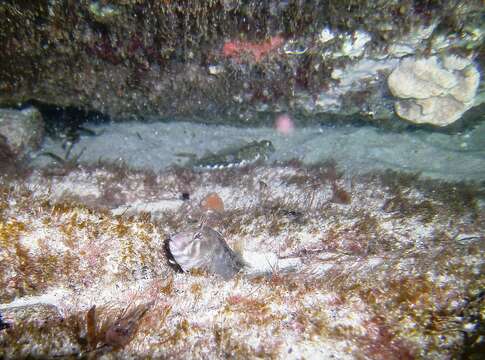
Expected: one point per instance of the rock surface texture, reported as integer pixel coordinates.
(235, 61)
(21, 130)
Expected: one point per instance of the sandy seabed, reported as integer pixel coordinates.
(357, 149)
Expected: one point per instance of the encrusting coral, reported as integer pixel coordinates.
(434, 92)
(390, 266)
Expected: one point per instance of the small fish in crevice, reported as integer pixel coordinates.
(204, 248)
(235, 157)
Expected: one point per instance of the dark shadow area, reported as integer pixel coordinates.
(67, 122)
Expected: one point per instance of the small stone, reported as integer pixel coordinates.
(22, 130)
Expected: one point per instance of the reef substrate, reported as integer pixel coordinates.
(391, 265)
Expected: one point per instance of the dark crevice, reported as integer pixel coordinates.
(67, 121)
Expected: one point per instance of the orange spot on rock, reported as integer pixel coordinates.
(212, 202)
(236, 48)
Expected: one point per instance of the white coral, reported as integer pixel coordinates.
(433, 91)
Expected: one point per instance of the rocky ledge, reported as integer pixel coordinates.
(238, 61)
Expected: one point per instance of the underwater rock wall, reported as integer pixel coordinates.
(233, 61)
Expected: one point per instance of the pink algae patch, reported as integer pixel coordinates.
(236, 48)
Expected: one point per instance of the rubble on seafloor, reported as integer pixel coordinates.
(390, 266)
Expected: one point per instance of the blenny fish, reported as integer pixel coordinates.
(204, 248)
(235, 157)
